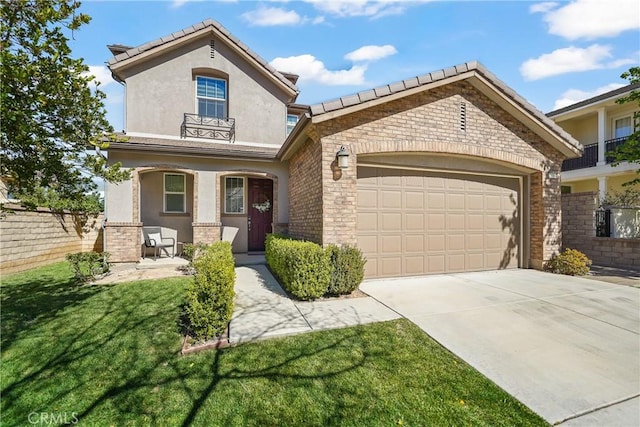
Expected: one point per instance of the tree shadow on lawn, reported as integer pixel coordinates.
(114, 359)
(38, 296)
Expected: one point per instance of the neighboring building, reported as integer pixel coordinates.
(601, 125)
(448, 171)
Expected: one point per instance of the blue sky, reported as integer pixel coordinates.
(551, 53)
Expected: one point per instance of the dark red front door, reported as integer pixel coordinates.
(260, 212)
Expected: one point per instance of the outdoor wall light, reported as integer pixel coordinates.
(342, 156)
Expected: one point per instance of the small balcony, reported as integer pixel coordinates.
(195, 126)
(589, 157)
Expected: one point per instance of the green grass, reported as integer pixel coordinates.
(109, 355)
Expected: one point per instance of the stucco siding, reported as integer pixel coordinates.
(160, 90)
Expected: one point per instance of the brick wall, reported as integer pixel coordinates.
(579, 232)
(305, 192)
(33, 238)
(430, 122)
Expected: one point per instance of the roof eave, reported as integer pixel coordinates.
(135, 56)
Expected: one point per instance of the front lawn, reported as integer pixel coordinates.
(109, 355)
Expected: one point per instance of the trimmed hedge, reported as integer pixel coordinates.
(570, 262)
(210, 295)
(307, 271)
(302, 267)
(347, 269)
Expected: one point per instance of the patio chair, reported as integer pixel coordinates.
(153, 238)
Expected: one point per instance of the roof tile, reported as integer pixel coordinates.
(411, 83)
(367, 95)
(350, 100)
(425, 78)
(317, 109)
(396, 87)
(336, 104)
(437, 75)
(382, 91)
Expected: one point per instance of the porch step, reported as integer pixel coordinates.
(164, 262)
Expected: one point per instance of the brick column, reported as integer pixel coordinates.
(206, 232)
(123, 241)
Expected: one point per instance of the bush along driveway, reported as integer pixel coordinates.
(109, 355)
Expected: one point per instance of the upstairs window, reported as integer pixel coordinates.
(174, 192)
(292, 120)
(211, 95)
(622, 127)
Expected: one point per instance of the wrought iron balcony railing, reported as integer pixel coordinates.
(589, 159)
(590, 156)
(612, 144)
(196, 126)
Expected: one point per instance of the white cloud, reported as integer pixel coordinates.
(590, 19)
(311, 69)
(371, 53)
(542, 7)
(270, 16)
(572, 96)
(569, 60)
(101, 74)
(370, 8)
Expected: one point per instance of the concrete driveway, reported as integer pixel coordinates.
(568, 348)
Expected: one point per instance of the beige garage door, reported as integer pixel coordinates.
(415, 222)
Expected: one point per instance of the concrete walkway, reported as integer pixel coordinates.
(263, 310)
(567, 347)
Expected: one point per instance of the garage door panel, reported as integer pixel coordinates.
(474, 261)
(414, 265)
(390, 266)
(414, 243)
(367, 222)
(368, 244)
(435, 200)
(415, 222)
(390, 221)
(390, 199)
(455, 242)
(455, 201)
(367, 198)
(391, 244)
(414, 200)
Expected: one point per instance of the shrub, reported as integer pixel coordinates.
(302, 267)
(210, 296)
(191, 250)
(87, 265)
(346, 269)
(570, 262)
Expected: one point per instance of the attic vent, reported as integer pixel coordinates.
(212, 45)
(463, 116)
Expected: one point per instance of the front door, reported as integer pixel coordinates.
(260, 212)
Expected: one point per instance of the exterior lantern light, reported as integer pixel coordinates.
(342, 156)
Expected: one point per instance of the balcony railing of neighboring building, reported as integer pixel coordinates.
(196, 126)
(590, 156)
(589, 159)
(612, 144)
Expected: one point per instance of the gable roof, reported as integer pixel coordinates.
(476, 74)
(130, 55)
(611, 95)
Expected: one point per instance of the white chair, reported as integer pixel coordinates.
(154, 237)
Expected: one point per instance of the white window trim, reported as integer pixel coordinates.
(244, 196)
(226, 100)
(165, 192)
(614, 119)
(286, 125)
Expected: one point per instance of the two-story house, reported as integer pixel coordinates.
(443, 172)
(601, 125)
